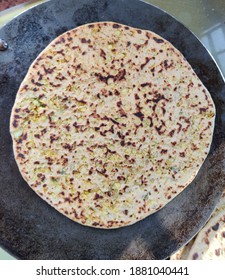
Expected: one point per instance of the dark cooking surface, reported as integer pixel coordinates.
(29, 227)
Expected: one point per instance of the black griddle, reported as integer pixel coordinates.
(29, 227)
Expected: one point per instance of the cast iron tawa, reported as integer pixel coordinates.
(29, 227)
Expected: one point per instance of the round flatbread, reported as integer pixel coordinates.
(110, 124)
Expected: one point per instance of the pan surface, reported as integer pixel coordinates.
(29, 227)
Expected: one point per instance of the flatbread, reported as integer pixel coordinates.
(183, 252)
(210, 241)
(110, 124)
